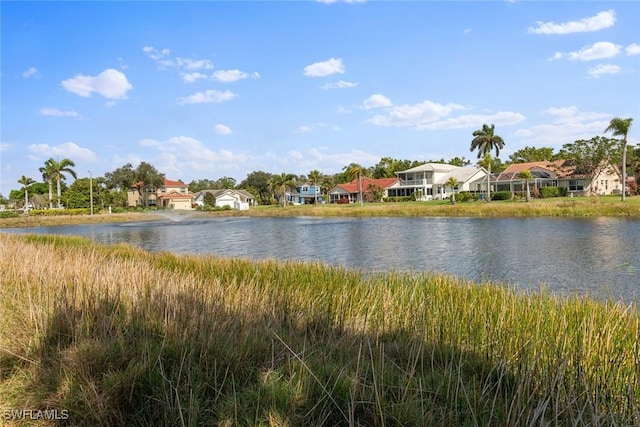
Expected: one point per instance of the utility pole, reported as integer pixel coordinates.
(91, 191)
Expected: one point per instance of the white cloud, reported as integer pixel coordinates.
(568, 124)
(601, 69)
(633, 49)
(187, 158)
(228, 76)
(110, 83)
(466, 31)
(326, 160)
(68, 150)
(58, 113)
(594, 23)
(324, 68)
(376, 101)
(303, 129)
(4, 146)
(599, 50)
(501, 118)
(414, 116)
(192, 77)
(222, 129)
(341, 84)
(207, 97)
(188, 67)
(342, 110)
(154, 53)
(31, 72)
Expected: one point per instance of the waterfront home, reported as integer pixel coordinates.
(372, 190)
(562, 174)
(304, 194)
(235, 199)
(173, 192)
(428, 181)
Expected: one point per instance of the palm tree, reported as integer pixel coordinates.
(453, 183)
(48, 175)
(485, 141)
(355, 171)
(527, 176)
(26, 182)
(280, 183)
(315, 176)
(58, 169)
(620, 127)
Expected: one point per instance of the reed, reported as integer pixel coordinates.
(119, 336)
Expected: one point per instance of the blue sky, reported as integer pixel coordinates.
(210, 89)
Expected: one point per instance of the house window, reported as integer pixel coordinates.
(305, 189)
(576, 185)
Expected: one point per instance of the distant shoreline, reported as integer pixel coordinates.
(578, 207)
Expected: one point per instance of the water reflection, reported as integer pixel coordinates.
(600, 257)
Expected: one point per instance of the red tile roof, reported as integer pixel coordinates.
(175, 195)
(170, 183)
(352, 187)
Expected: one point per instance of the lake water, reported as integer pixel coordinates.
(599, 257)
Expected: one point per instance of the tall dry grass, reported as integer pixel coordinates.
(118, 336)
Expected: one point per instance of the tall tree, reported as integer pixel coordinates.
(26, 182)
(532, 154)
(591, 156)
(485, 141)
(527, 176)
(314, 177)
(280, 183)
(620, 127)
(355, 171)
(147, 177)
(59, 169)
(258, 182)
(121, 179)
(48, 174)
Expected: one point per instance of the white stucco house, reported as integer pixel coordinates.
(427, 182)
(235, 199)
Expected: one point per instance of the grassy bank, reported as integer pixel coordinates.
(557, 207)
(118, 336)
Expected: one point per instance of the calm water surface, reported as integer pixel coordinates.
(599, 257)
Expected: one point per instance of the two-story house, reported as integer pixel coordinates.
(428, 181)
(305, 193)
(171, 194)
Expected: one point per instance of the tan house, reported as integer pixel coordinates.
(170, 195)
(559, 173)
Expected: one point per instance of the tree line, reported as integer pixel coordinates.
(267, 188)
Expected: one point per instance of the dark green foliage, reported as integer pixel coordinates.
(400, 199)
(9, 214)
(547, 192)
(502, 195)
(466, 196)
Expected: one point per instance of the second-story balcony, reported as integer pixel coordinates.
(415, 182)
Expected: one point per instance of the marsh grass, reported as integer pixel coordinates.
(119, 336)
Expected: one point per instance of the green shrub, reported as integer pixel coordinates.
(58, 212)
(466, 196)
(501, 195)
(547, 192)
(9, 214)
(563, 191)
(118, 210)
